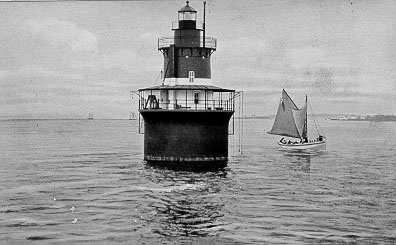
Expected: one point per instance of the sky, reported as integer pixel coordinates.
(67, 59)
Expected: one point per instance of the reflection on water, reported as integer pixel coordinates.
(188, 205)
(265, 196)
(300, 160)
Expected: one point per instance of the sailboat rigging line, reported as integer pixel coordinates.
(306, 120)
(290, 99)
(318, 128)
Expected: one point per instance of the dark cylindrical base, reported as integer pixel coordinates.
(189, 166)
(186, 136)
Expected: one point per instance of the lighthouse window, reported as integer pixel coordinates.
(196, 97)
(191, 75)
(187, 52)
(205, 54)
(187, 16)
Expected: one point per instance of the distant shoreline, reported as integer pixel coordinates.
(64, 119)
(363, 120)
(255, 117)
(376, 118)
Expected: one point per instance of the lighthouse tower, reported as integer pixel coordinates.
(186, 118)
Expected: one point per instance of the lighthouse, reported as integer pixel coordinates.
(186, 118)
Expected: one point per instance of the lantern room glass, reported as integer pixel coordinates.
(187, 16)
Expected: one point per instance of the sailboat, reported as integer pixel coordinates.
(290, 121)
(132, 116)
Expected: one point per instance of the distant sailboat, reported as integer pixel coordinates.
(132, 116)
(90, 116)
(292, 122)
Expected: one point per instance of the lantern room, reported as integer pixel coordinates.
(187, 17)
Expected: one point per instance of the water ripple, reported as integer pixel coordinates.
(84, 182)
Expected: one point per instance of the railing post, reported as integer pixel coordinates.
(205, 99)
(139, 101)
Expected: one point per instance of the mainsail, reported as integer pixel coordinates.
(290, 121)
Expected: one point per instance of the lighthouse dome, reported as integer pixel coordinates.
(187, 8)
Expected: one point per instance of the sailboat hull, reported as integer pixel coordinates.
(313, 146)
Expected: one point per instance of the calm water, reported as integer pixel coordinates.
(84, 181)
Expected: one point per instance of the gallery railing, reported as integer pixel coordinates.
(165, 42)
(182, 104)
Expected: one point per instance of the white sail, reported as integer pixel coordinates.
(290, 121)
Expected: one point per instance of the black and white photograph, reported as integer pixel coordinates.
(197, 122)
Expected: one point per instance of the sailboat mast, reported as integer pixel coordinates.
(306, 119)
